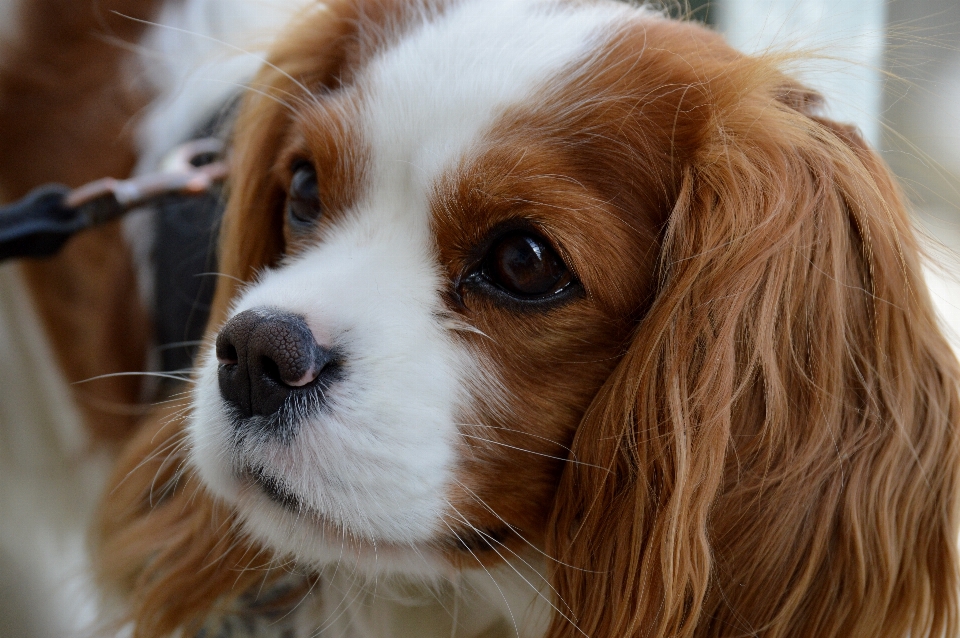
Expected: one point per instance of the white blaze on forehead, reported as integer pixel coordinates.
(442, 86)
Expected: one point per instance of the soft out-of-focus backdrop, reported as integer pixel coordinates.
(922, 107)
(892, 67)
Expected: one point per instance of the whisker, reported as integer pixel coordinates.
(295, 100)
(219, 274)
(166, 486)
(549, 456)
(513, 620)
(459, 325)
(210, 38)
(313, 584)
(516, 431)
(342, 607)
(179, 344)
(517, 571)
(172, 445)
(160, 375)
(290, 107)
(520, 536)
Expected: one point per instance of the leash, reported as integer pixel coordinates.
(39, 224)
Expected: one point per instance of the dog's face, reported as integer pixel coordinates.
(461, 267)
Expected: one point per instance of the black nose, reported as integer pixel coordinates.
(265, 356)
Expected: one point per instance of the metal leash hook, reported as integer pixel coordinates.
(41, 223)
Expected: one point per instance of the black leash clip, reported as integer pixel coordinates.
(41, 223)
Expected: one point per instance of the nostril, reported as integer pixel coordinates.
(270, 370)
(308, 377)
(227, 354)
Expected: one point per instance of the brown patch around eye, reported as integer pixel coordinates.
(322, 169)
(571, 216)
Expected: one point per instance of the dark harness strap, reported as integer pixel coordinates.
(185, 258)
(39, 224)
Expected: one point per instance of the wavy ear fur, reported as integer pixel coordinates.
(163, 544)
(781, 435)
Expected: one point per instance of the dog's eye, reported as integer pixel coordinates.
(525, 266)
(303, 200)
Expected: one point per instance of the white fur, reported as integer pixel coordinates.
(503, 602)
(49, 482)
(434, 94)
(198, 55)
(369, 294)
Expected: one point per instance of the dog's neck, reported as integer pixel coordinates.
(508, 601)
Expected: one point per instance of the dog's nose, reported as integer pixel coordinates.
(265, 356)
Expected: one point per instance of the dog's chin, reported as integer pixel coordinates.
(280, 519)
(276, 490)
(276, 516)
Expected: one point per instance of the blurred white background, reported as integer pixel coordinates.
(892, 67)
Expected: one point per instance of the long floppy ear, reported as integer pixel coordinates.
(164, 547)
(780, 439)
(163, 544)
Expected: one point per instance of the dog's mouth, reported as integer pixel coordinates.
(274, 488)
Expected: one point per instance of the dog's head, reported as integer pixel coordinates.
(450, 260)
(574, 276)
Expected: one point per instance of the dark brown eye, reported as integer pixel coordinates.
(303, 200)
(525, 266)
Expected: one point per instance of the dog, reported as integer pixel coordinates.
(543, 318)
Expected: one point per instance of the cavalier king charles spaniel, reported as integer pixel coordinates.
(553, 319)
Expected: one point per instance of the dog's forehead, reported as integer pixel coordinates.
(429, 98)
